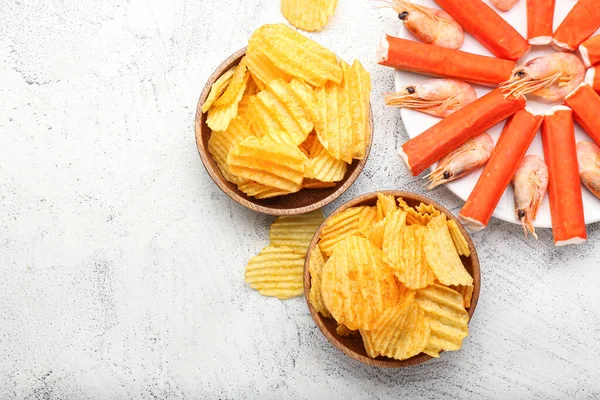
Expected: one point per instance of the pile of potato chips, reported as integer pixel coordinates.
(393, 273)
(308, 15)
(289, 116)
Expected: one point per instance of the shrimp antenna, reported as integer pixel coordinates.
(404, 5)
(522, 87)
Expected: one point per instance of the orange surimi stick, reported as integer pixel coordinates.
(489, 28)
(439, 140)
(585, 103)
(580, 24)
(590, 51)
(592, 78)
(564, 188)
(540, 16)
(408, 55)
(514, 141)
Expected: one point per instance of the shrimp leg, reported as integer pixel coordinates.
(514, 141)
(564, 189)
(439, 140)
(408, 55)
(540, 15)
(580, 24)
(585, 103)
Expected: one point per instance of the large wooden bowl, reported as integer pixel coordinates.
(352, 345)
(297, 203)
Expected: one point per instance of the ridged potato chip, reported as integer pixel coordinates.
(442, 256)
(296, 231)
(343, 330)
(262, 69)
(359, 84)
(276, 271)
(220, 144)
(386, 204)
(308, 183)
(377, 234)
(402, 331)
(357, 286)
(296, 54)
(334, 124)
(259, 191)
(339, 227)
(466, 292)
(420, 215)
(323, 166)
(238, 83)
(315, 268)
(217, 89)
(368, 343)
(413, 272)
(395, 223)
(268, 163)
(221, 114)
(366, 219)
(446, 316)
(308, 15)
(462, 247)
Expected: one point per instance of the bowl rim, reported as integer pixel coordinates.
(218, 179)
(384, 362)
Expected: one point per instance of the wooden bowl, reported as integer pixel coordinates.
(352, 346)
(297, 203)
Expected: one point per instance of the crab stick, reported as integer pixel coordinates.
(580, 24)
(489, 28)
(592, 78)
(540, 16)
(590, 51)
(412, 56)
(454, 130)
(564, 188)
(514, 141)
(585, 103)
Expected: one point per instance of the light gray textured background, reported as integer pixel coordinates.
(122, 263)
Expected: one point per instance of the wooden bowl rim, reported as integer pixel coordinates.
(219, 180)
(384, 362)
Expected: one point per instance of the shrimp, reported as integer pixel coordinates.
(551, 77)
(430, 25)
(504, 5)
(462, 161)
(438, 97)
(530, 185)
(588, 158)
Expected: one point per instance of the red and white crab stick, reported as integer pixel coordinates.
(585, 103)
(540, 16)
(564, 188)
(592, 78)
(590, 51)
(489, 28)
(439, 140)
(408, 55)
(514, 141)
(579, 25)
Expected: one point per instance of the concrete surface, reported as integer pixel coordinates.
(122, 263)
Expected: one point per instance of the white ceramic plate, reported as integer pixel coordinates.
(416, 122)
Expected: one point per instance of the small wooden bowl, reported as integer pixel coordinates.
(297, 203)
(352, 345)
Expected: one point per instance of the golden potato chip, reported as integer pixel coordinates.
(462, 247)
(366, 219)
(238, 83)
(466, 292)
(296, 231)
(334, 124)
(413, 270)
(316, 184)
(269, 163)
(218, 88)
(220, 115)
(446, 316)
(220, 144)
(308, 15)
(276, 271)
(315, 268)
(338, 227)
(423, 208)
(359, 83)
(322, 166)
(431, 349)
(386, 204)
(343, 330)
(414, 215)
(293, 97)
(251, 87)
(442, 256)
(392, 239)
(307, 98)
(311, 145)
(357, 286)
(262, 69)
(368, 343)
(260, 85)
(296, 54)
(259, 191)
(377, 234)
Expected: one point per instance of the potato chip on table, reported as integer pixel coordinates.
(296, 231)
(308, 15)
(276, 271)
